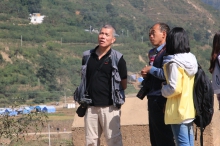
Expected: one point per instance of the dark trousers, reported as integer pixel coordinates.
(160, 134)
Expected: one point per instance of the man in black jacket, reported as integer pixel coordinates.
(160, 134)
(103, 114)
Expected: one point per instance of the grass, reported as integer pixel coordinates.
(62, 119)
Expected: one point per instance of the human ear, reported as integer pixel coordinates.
(113, 40)
(164, 34)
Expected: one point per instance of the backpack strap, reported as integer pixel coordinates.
(201, 131)
(194, 95)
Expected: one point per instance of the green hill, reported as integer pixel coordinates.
(40, 63)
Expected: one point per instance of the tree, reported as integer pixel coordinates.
(111, 10)
(63, 76)
(197, 36)
(34, 6)
(47, 72)
(16, 128)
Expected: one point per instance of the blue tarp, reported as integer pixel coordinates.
(26, 110)
(2, 111)
(49, 109)
(39, 108)
(32, 107)
(10, 112)
(20, 110)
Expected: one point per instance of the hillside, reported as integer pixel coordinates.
(213, 3)
(40, 63)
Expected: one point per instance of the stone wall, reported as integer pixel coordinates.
(135, 130)
(132, 135)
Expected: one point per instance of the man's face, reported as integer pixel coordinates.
(157, 37)
(106, 37)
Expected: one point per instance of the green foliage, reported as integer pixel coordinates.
(49, 58)
(49, 64)
(44, 97)
(197, 36)
(16, 128)
(139, 4)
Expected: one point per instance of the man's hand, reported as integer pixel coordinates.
(145, 71)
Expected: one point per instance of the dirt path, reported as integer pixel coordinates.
(6, 57)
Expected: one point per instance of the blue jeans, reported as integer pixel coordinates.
(183, 134)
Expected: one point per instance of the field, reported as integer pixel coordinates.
(133, 135)
(62, 119)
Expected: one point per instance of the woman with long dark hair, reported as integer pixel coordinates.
(178, 89)
(214, 68)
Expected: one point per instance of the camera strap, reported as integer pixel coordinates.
(97, 70)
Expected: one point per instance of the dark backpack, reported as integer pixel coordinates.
(203, 97)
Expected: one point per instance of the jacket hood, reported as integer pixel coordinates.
(187, 61)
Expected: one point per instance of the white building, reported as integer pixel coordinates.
(71, 105)
(36, 18)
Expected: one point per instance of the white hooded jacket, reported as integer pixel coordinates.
(178, 89)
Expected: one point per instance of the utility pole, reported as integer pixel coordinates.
(65, 97)
(142, 38)
(61, 42)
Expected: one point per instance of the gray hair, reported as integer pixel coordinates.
(109, 27)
